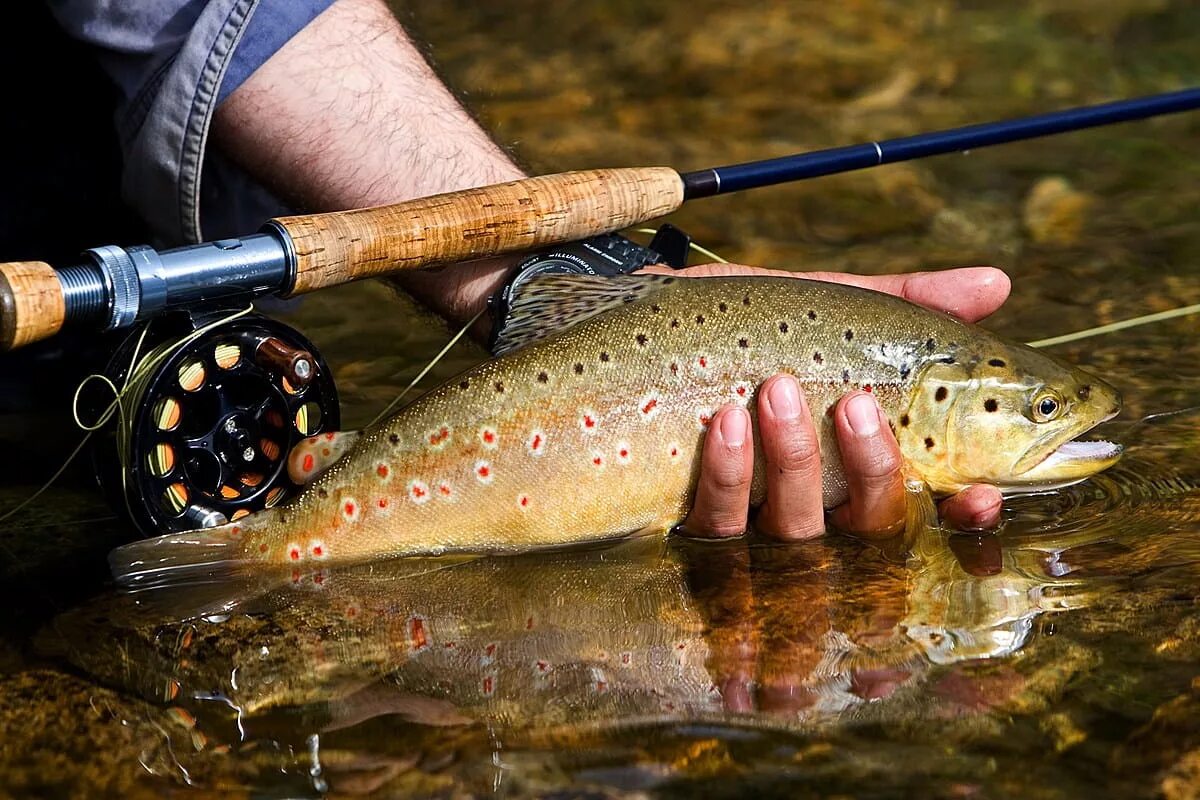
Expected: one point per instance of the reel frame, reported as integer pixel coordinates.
(210, 430)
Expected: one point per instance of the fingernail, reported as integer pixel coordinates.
(733, 427)
(862, 415)
(784, 398)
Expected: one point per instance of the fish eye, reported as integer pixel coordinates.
(1046, 406)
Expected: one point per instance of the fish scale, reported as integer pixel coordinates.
(595, 431)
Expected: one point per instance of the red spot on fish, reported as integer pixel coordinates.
(679, 646)
(308, 462)
(589, 421)
(705, 419)
(490, 650)
(626, 658)
(318, 550)
(294, 554)
(325, 451)
(318, 578)
(351, 612)
(489, 685)
(489, 436)
(295, 576)
(416, 634)
(650, 405)
(529, 624)
(444, 489)
(484, 471)
(262, 548)
(674, 452)
(439, 436)
(597, 460)
(542, 666)
(741, 390)
(349, 508)
(329, 437)
(601, 686)
(237, 530)
(623, 452)
(418, 491)
(383, 502)
(382, 470)
(867, 388)
(703, 362)
(450, 645)
(523, 501)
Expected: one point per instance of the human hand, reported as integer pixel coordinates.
(870, 455)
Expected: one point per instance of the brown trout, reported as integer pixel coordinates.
(594, 431)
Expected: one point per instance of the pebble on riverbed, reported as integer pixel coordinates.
(1054, 212)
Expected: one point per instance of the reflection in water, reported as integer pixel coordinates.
(585, 648)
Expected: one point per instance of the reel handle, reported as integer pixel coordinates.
(334, 248)
(32, 303)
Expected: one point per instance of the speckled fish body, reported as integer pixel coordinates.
(595, 431)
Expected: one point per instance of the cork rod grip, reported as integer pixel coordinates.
(32, 305)
(344, 246)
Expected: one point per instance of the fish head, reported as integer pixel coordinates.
(1007, 415)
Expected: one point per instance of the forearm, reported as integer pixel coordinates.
(348, 114)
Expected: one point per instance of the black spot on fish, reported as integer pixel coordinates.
(812, 315)
(668, 281)
(722, 307)
(928, 442)
(604, 357)
(1085, 391)
(394, 438)
(674, 368)
(641, 339)
(929, 345)
(904, 371)
(845, 376)
(542, 377)
(849, 334)
(699, 319)
(656, 308)
(578, 368)
(500, 387)
(746, 300)
(321, 492)
(817, 357)
(904, 420)
(629, 298)
(941, 393)
(743, 342)
(997, 362)
(991, 405)
(783, 327)
(675, 323)
(944, 360)
(464, 385)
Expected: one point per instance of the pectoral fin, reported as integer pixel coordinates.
(920, 514)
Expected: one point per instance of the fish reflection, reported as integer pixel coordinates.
(631, 634)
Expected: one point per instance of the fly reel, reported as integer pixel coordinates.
(212, 411)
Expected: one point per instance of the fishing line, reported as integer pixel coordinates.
(125, 403)
(1113, 327)
(441, 354)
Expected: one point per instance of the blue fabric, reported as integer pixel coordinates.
(172, 62)
(273, 24)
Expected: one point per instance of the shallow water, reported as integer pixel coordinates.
(1056, 658)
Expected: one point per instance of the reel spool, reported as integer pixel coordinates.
(210, 429)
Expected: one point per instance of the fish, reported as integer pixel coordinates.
(588, 424)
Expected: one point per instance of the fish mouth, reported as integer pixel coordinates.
(1066, 463)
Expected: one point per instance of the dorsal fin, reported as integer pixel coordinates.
(551, 303)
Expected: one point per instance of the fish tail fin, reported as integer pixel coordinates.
(203, 555)
(920, 515)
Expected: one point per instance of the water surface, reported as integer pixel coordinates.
(1054, 659)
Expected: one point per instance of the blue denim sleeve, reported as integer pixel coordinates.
(273, 24)
(173, 62)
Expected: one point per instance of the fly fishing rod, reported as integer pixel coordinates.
(116, 287)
